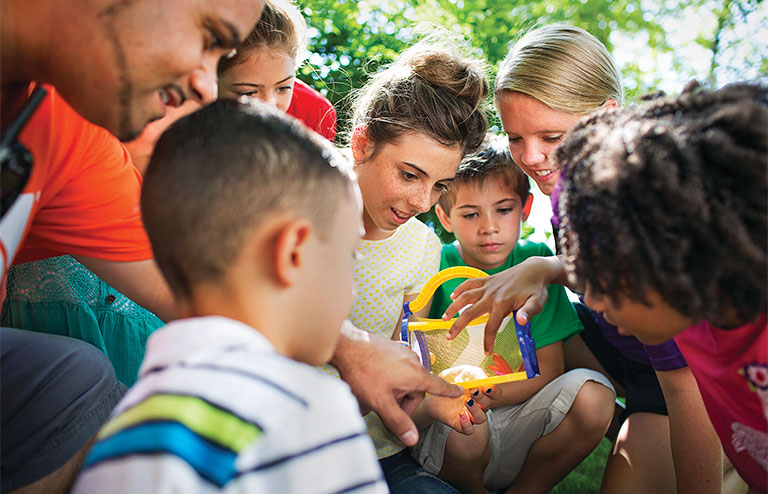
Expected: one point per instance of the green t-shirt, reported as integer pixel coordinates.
(557, 321)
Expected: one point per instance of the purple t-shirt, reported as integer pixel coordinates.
(663, 357)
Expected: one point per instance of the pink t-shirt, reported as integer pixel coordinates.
(731, 368)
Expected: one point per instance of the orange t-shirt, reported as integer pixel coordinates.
(82, 197)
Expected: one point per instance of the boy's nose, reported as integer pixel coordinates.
(488, 226)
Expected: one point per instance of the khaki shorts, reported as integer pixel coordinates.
(513, 429)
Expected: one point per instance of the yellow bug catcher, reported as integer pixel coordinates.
(462, 360)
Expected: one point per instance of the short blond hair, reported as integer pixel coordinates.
(564, 67)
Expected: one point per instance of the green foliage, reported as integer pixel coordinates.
(351, 39)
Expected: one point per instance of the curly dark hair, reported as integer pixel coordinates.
(671, 196)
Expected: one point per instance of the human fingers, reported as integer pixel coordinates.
(476, 413)
(398, 421)
(465, 424)
(532, 306)
(410, 402)
(432, 384)
(484, 396)
(467, 285)
(461, 300)
(492, 392)
(492, 328)
(459, 296)
(477, 306)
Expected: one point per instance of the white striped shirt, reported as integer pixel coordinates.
(217, 409)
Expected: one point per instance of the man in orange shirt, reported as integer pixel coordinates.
(119, 66)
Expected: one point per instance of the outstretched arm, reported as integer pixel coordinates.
(696, 450)
(386, 377)
(522, 288)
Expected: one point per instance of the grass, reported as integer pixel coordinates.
(586, 478)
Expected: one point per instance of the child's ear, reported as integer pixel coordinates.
(527, 207)
(290, 249)
(360, 144)
(610, 103)
(445, 220)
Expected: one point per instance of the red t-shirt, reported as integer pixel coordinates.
(313, 109)
(731, 369)
(82, 197)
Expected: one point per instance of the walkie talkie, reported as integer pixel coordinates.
(15, 159)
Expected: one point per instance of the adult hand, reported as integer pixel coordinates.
(386, 377)
(522, 288)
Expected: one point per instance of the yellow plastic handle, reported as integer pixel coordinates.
(429, 289)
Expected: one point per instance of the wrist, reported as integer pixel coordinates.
(555, 270)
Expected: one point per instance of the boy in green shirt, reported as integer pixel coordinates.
(540, 428)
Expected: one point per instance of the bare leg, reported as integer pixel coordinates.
(554, 455)
(577, 355)
(466, 458)
(641, 460)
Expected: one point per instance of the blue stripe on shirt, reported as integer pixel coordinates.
(215, 464)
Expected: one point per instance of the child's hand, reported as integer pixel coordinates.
(458, 413)
(522, 288)
(483, 396)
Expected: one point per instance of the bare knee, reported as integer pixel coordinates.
(593, 408)
(473, 449)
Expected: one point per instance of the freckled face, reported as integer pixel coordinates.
(266, 74)
(534, 131)
(404, 178)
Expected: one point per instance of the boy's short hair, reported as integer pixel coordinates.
(672, 197)
(216, 174)
(493, 160)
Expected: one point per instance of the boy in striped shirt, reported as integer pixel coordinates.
(253, 222)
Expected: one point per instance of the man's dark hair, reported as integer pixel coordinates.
(671, 196)
(216, 174)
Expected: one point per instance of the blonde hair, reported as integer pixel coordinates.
(280, 27)
(430, 88)
(564, 67)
